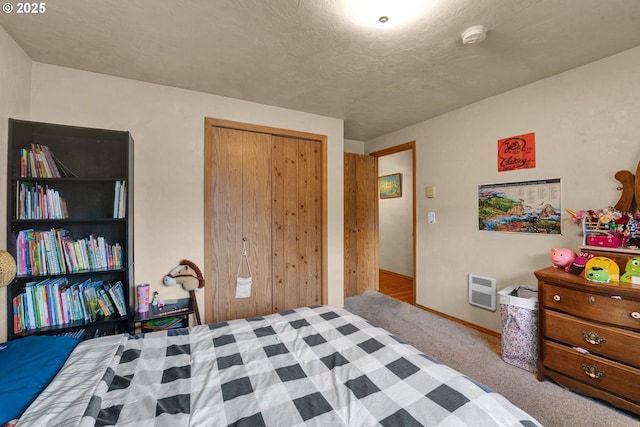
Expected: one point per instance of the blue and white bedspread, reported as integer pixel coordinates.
(313, 366)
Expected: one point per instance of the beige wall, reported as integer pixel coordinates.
(353, 146)
(168, 127)
(586, 125)
(15, 83)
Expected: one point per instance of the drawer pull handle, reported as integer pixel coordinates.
(593, 372)
(592, 300)
(556, 298)
(593, 338)
(635, 315)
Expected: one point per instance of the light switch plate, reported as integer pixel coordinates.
(431, 192)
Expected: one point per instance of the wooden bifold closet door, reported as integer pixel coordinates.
(267, 190)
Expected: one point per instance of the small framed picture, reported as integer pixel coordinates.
(390, 186)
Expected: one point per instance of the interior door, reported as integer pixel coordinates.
(238, 207)
(360, 224)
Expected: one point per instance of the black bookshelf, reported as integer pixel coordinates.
(94, 161)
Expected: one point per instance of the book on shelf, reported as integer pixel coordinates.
(55, 252)
(120, 199)
(172, 307)
(105, 302)
(91, 301)
(164, 323)
(40, 162)
(37, 202)
(116, 292)
(53, 302)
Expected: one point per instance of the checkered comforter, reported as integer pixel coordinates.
(314, 366)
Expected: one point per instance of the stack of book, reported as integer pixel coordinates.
(39, 162)
(37, 202)
(53, 302)
(55, 252)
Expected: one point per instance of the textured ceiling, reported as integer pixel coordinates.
(309, 55)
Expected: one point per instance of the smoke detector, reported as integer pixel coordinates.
(474, 35)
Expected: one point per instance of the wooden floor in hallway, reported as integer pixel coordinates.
(396, 286)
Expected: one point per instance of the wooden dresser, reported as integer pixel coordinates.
(590, 337)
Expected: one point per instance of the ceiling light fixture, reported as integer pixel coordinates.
(474, 35)
(385, 13)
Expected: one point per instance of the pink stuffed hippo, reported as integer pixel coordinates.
(562, 257)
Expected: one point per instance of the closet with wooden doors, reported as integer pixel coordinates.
(264, 196)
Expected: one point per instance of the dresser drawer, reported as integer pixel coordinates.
(614, 343)
(603, 308)
(614, 377)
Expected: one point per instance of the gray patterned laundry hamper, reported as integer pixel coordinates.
(519, 315)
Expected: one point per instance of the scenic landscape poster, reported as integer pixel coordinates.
(521, 207)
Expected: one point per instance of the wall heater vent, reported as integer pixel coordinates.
(482, 291)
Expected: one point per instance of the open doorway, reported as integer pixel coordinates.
(397, 223)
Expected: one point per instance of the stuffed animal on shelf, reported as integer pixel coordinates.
(190, 277)
(578, 264)
(562, 258)
(602, 270)
(597, 274)
(632, 269)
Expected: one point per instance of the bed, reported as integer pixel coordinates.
(312, 366)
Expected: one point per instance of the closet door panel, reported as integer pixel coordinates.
(284, 222)
(256, 224)
(297, 213)
(223, 227)
(238, 186)
(310, 216)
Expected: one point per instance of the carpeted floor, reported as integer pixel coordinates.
(478, 355)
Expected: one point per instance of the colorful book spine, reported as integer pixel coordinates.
(54, 252)
(39, 162)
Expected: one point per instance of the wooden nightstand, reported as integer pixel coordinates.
(160, 319)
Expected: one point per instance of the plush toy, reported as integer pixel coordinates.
(190, 277)
(578, 264)
(600, 263)
(632, 269)
(562, 257)
(597, 274)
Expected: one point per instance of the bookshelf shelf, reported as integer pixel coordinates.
(71, 220)
(31, 277)
(74, 245)
(78, 181)
(75, 326)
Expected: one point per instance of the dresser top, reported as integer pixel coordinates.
(559, 276)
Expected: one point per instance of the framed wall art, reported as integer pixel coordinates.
(390, 186)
